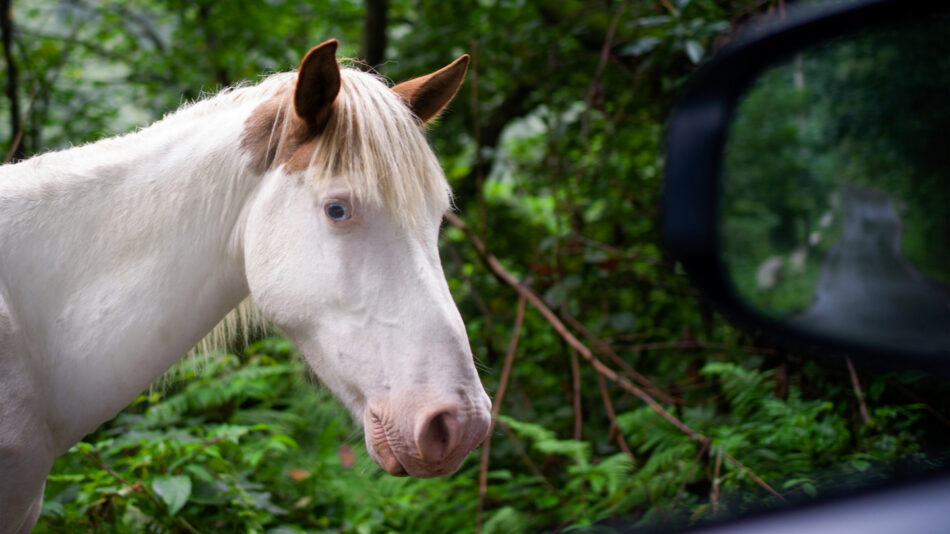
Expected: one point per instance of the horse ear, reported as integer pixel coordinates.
(318, 82)
(428, 95)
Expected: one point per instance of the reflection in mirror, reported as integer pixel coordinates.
(835, 212)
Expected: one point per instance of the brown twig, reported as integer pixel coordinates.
(105, 467)
(714, 495)
(477, 134)
(576, 394)
(752, 474)
(530, 296)
(138, 487)
(625, 254)
(916, 398)
(695, 344)
(604, 348)
(556, 323)
(595, 85)
(19, 133)
(495, 410)
(476, 296)
(609, 407)
(527, 460)
(858, 392)
(689, 473)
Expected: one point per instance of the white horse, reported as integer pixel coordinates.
(313, 192)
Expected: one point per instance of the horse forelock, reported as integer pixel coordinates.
(372, 141)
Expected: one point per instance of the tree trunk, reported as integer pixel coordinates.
(219, 71)
(374, 33)
(17, 151)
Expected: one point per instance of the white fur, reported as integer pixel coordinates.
(117, 257)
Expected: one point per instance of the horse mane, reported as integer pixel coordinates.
(372, 141)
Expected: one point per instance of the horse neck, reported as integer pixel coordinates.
(119, 256)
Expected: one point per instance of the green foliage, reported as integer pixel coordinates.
(244, 445)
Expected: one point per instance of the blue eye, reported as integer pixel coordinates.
(337, 211)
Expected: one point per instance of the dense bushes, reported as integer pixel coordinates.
(247, 444)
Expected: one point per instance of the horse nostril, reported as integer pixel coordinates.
(434, 436)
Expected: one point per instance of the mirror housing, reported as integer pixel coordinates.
(697, 137)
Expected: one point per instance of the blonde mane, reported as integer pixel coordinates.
(372, 141)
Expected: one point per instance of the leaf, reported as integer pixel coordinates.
(810, 489)
(174, 491)
(547, 501)
(641, 46)
(623, 321)
(653, 21)
(52, 509)
(500, 474)
(200, 472)
(507, 519)
(695, 51)
(66, 477)
(262, 501)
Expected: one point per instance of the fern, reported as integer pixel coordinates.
(545, 441)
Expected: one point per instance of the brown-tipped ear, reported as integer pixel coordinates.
(428, 95)
(318, 82)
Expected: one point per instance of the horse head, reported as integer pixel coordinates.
(340, 248)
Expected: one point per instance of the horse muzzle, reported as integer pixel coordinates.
(431, 440)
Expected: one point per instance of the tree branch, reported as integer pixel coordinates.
(858, 393)
(609, 407)
(576, 394)
(374, 33)
(495, 410)
(137, 486)
(502, 274)
(17, 150)
(604, 348)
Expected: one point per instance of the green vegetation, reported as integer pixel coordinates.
(244, 443)
(554, 149)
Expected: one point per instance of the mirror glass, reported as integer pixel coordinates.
(835, 211)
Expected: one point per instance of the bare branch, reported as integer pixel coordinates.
(689, 473)
(714, 494)
(495, 410)
(530, 296)
(12, 89)
(609, 407)
(604, 348)
(858, 393)
(576, 394)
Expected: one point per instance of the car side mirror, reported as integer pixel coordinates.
(808, 181)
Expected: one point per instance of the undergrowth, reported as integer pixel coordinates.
(246, 444)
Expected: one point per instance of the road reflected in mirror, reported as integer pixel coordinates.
(867, 289)
(835, 212)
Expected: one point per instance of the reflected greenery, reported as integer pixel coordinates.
(855, 117)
